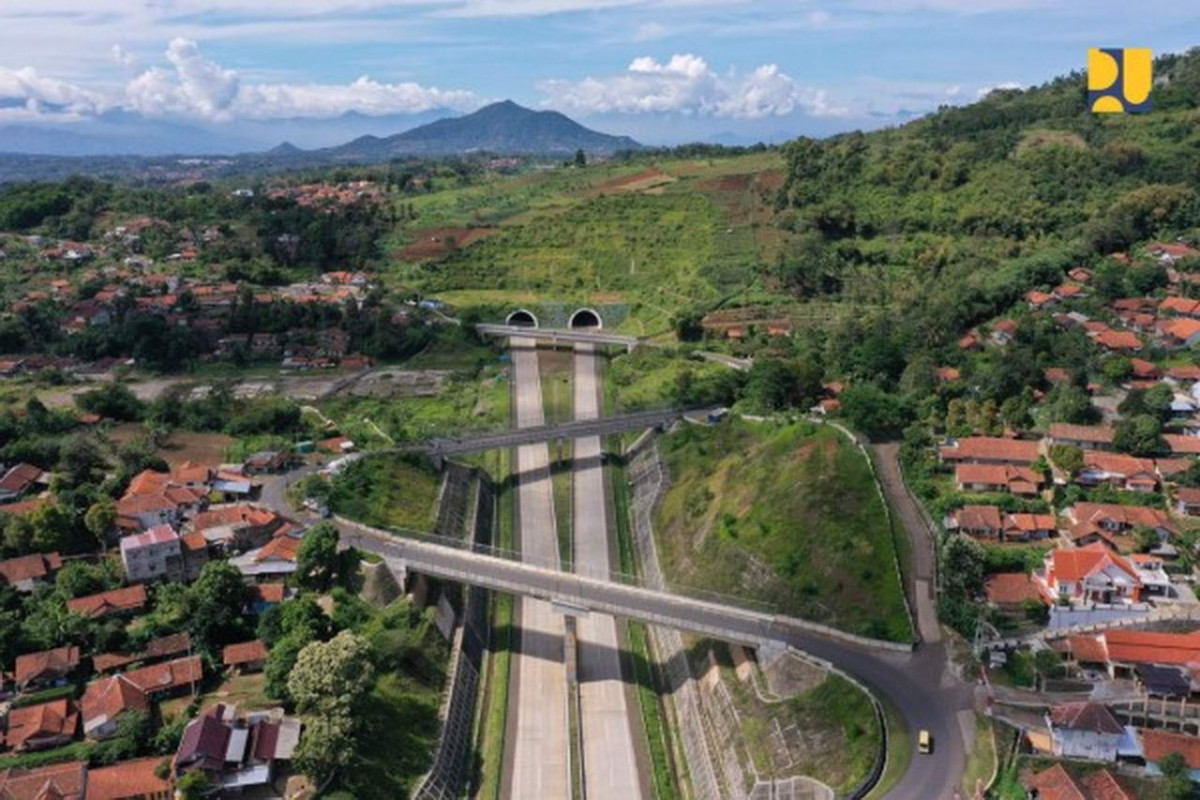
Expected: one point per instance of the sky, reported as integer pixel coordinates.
(662, 71)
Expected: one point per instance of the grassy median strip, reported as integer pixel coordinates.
(488, 779)
(650, 704)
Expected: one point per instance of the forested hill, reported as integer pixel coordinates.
(950, 218)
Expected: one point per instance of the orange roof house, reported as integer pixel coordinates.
(41, 726)
(105, 700)
(24, 572)
(996, 478)
(1158, 744)
(129, 780)
(245, 656)
(55, 782)
(118, 601)
(1091, 574)
(992, 450)
(1011, 589)
(46, 666)
(1117, 340)
(1056, 783)
(1094, 437)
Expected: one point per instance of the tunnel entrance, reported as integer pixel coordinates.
(585, 318)
(522, 319)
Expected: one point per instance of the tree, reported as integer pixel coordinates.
(1071, 404)
(1177, 775)
(1140, 436)
(1067, 457)
(192, 786)
(101, 518)
(113, 400)
(330, 683)
(873, 411)
(333, 675)
(318, 563)
(216, 600)
(580, 158)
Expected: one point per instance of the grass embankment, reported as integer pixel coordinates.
(655, 725)
(827, 730)
(646, 377)
(493, 710)
(388, 491)
(981, 758)
(899, 750)
(783, 514)
(464, 404)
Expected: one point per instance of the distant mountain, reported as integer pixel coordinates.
(503, 127)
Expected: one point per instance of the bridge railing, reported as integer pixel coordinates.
(557, 564)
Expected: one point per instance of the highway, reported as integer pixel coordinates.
(538, 765)
(610, 764)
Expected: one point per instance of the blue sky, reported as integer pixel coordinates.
(660, 70)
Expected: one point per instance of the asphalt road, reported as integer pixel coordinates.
(539, 752)
(610, 765)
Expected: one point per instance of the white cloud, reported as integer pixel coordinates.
(25, 94)
(687, 84)
(1003, 85)
(124, 58)
(197, 87)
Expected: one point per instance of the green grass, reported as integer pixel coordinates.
(75, 751)
(655, 725)
(388, 491)
(899, 752)
(402, 717)
(840, 729)
(981, 759)
(466, 404)
(788, 515)
(646, 377)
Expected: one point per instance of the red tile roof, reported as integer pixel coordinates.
(1019, 479)
(46, 664)
(1179, 443)
(130, 598)
(108, 698)
(1011, 588)
(1053, 784)
(30, 567)
(1180, 305)
(267, 592)
(53, 719)
(128, 780)
(244, 653)
(1103, 785)
(20, 477)
(1146, 647)
(1083, 716)
(1088, 648)
(1118, 340)
(1182, 329)
(978, 517)
(55, 782)
(1158, 744)
(993, 448)
(1097, 434)
(1028, 523)
(168, 675)
(281, 547)
(1077, 564)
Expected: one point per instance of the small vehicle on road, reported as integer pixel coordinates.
(924, 743)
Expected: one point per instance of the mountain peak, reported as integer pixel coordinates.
(503, 127)
(284, 149)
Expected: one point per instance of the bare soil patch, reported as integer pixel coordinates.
(440, 242)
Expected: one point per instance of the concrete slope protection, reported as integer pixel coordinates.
(539, 764)
(610, 766)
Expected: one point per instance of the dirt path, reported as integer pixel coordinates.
(922, 569)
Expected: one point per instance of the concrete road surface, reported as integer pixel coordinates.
(539, 765)
(610, 766)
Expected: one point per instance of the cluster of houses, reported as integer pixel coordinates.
(238, 754)
(330, 197)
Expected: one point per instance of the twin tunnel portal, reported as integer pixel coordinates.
(581, 319)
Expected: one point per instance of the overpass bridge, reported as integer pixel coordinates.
(556, 336)
(575, 429)
(580, 593)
